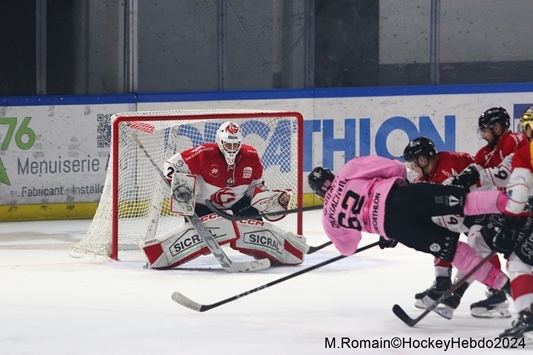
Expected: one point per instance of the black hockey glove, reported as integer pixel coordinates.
(386, 243)
(467, 178)
(502, 234)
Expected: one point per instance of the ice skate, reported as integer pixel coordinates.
(448, 305)
(441, 284)
(445, 308)
(495, 306)
(522, 327)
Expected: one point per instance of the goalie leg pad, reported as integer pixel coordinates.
(183, 244)
(261, 239)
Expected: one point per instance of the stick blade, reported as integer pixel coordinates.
(187, 302)
(255, 265)
(404, 317)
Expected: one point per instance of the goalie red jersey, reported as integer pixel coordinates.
(221, 183)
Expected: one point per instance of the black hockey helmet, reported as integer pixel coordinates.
(320, 180)
(494, 115)
(419, 146)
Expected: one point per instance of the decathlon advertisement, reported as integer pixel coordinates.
(337, 129)
(54, 152)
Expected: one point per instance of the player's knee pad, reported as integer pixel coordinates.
(477, 241)
(261, 239)
(183, 244)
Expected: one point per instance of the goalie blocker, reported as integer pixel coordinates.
(255, 238)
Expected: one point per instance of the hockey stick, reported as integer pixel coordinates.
(400, 313)
(223, 214)
(209, 240)
(195, 306)
(311, 250)
(231, 217)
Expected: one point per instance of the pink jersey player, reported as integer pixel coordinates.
(372, 194)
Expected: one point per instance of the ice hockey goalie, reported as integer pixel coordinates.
(228, 173)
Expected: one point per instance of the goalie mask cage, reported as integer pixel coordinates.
(135, 200)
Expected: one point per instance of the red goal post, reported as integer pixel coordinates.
(134, 203)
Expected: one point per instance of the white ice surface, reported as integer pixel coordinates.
(51, 303)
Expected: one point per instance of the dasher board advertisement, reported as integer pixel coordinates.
(54, 158)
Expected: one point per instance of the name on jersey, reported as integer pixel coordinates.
(263, 238)
(375, 213)
(332, 215)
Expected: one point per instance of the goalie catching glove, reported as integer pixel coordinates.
(266, 201)
(251, 237)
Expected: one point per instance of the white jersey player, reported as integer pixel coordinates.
(229, 174)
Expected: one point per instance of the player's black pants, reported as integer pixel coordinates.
(523, 239)
(408, 213)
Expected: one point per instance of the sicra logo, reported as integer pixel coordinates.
(24, 138)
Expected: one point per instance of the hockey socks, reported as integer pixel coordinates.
(466, 258)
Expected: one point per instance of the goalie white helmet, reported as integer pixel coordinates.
(229, 139)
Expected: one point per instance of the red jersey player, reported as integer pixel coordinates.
(431, 166)
(491, 170)
(512, 235)
(229, 174)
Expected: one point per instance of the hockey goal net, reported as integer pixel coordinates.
(134, 203)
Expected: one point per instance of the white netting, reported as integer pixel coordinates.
(143, 196)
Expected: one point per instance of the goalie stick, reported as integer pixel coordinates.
(400, 313)
(223, 214)
(235, 218)
(195, 306)
(209, 240)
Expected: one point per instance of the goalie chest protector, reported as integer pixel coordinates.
(208, 162)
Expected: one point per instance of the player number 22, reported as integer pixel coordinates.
(354, 203)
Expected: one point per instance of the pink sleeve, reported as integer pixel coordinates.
(371, 167)
(345, 240)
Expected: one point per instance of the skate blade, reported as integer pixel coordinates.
(528, 338)
(446, 312)
(442, 310)
(490, 313)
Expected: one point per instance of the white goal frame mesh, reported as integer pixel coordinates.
(134, 202)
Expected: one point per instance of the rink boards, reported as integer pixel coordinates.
(54, 150)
